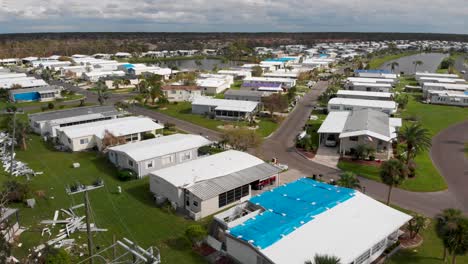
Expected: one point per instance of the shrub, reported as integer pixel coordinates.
(50, 106)
(126, 175)
(57, 256)
(169, 126)
(148, 136)
(195, 233)
(17, 192)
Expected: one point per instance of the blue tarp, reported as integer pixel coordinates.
(285, 59)
(29, 96)
(287, 208)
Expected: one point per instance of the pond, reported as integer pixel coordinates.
(430, 61)
(202, 64)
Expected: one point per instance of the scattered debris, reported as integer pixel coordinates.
(31, 202)
(19, 168)
(76, 165)
(69, 225)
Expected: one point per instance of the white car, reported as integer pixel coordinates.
(330, 141)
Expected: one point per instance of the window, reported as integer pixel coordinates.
(130, 163)
(149, 164)
(167, 159)
(195, 203)
(378, 246)
(335, 107)
(363, 257)
(84, 141)
(131, 137)
(348, 108)
(186, 156)
(353, 138)
(233, 195)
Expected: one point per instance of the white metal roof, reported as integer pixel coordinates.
(217, 165)
(369, 80)
(9, 75)
(268, 79)
(363, 103)
(439, 75)
(334, 123)
(103, 73)
(118, 127)
(442, 80)
(229, 105)
(345, 231)
(364, 93)
(25, 82)
(448, 86)
(161, 146)
(383, 85)
(211, 82)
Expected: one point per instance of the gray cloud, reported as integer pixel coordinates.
(449, 16)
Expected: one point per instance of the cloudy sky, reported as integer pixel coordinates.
(444, 16)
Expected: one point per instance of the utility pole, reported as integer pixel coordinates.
(79, 188)
(88, 227)
(13, 142)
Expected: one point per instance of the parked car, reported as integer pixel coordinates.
(330, 141)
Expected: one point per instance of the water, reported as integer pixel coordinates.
(203, 64)
(430, 61)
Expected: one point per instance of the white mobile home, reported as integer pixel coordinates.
(47, 123)
(153, 154)
(238, 74)
(10, 75)
(224, 109)
(419, 75)
(370, 80)
(288, 225)
(22, 82)
(447, 97)
(443, 87)
(365, 95)
(41, 94)
(181, 93)
(370, 87)
(441, 80)
(349, 104)
(94, 76)
(91, 135)
(207, 185)
(268, 82)
(378, 75)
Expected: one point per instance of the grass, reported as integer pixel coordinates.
(378, 62)
(122, 214)
(404, 81)
(313, 126)
(435, 118)
(430, 252)
(236, 85)
(183, 111)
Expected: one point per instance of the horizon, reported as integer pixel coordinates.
(228, 16)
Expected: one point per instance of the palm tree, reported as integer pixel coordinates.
(443, 222)
(116, 83)
(349, 180)
(324, 259)
(155, 92)
(392, 173)
(103, 92)
(393, 65)
(416, 64)
(456, 238)
(416, 137)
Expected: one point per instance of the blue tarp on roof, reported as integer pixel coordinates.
(128, 66)
(372, 71)
(284, 59)
(287, 207)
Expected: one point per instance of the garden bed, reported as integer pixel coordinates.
(307, 154)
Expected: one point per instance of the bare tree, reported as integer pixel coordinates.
(110, 140)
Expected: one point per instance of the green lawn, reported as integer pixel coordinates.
(236, 85)
(131, 214)
(430, 252)
(405, 80)
(435, 118)
(378, 62)
(183, 111)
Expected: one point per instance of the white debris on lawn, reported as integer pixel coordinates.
(19, 168)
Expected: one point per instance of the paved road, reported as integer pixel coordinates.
(460, 66)
(448, 155)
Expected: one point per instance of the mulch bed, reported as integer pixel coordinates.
(204, 250)
(307, 154)
(375, 163)
(408, 243)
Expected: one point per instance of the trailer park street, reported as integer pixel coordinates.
(125, 166)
